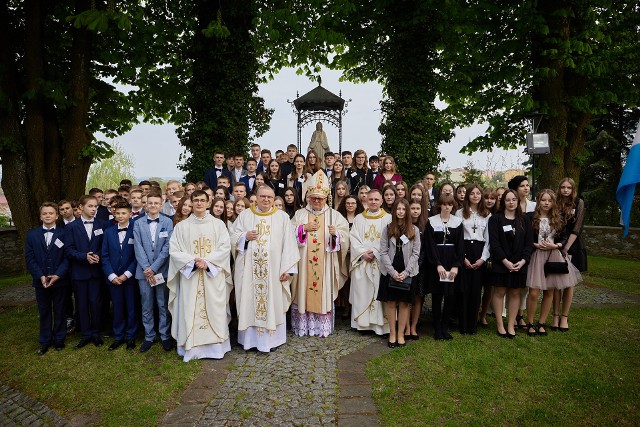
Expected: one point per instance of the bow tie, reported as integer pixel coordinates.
(88, 222)
(149, 221)
(122, 229)
(135, 213)
(218, 169)
(48, 230)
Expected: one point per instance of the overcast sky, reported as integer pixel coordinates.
(155, 148)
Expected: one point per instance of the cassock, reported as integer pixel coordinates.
(198, 299)
(322, 270)
(262, 300)
(367, 313)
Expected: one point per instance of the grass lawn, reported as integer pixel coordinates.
(586, 377)
(618, 274)
(119, 388)
(6, 282)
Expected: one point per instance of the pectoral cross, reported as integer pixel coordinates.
(474, 228)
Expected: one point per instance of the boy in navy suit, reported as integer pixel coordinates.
(137, 208)
(212, 175)
(83, 241)
(46, 261)
(250, 178)
(151, 241)
(119, 265)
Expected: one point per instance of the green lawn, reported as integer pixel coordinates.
(119, 388)
(618, 274)
(14, 280)
(587, 377)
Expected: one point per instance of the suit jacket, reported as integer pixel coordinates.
(117, 259)
(103, 213)
(410, 253)
(46, 261)
(78, 245)
(149, 255)
(371, 176)
(245, 181)
(520, 248)
(211, 178)
(233, 176)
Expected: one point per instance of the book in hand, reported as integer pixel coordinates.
(159, 279)
(447, 277)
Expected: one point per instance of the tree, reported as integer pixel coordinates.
(223, 108)
(471, 175)
(59, 66)
(109, 172)
(565, 59)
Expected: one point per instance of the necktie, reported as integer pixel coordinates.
(149, 221)
(88, 222)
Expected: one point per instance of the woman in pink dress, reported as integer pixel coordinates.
(388, 174)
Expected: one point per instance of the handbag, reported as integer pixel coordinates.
(404, 285)
(556, 267)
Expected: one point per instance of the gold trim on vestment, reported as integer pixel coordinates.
(379, 215)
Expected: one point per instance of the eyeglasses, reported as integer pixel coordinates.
(200, 201)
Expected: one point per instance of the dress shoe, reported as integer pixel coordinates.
(145, 346)
(131, 344)
(116, 344)
(83, 342)
(401, 344)
(167, 345)
(98, 341)
(391, 344)
(59, 345)
(43, 349)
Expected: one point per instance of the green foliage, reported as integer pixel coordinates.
(109, 172)
(471, 175)
(4, 221)
(224, 110)
(602, 166)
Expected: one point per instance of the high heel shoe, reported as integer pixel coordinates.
(542, 326)
(502, 335)
(535, 332)
(563, 329)
(518, 324)
(555, 328)
(392, 344)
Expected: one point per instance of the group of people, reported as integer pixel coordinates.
(241, 243)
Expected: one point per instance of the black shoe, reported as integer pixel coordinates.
(98, 341)
(505, 335)
(116, 344)
(43, 349)
(401, 344)
(510, 336)
(145, 346)
(542, 333)
(83, 342)
(415, 337)
(167, 345)
(131, 344)
(59, 345)
(519, 319)
(391, 344)
(533, 333)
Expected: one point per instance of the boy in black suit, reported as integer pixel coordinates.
(46, 261)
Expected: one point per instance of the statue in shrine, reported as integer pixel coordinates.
(319, 143)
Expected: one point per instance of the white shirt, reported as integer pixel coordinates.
(88, 227)
(48, 236)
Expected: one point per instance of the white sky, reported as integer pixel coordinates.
(155, 148)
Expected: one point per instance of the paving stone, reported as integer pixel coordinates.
(358, 405)
(17, 409)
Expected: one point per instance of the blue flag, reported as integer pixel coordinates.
(627, 186)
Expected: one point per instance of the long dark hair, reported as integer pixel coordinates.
(519, 214)
(482, 209)
(342, 208)
(398, 227)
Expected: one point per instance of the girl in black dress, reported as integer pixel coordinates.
(445, 255)
(511, 243)
(291, 203)
(572, 214)
(274, 179)
(399, 253)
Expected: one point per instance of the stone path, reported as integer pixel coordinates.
(17, 409)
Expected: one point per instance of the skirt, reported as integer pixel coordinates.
(509, 280)
(537, 280)
(385, 293)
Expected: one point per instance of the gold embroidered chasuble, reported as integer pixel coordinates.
(198, 304)
(261, 299)
(311, 288)
(366, 312)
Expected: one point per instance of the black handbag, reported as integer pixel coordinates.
(555, 267)
(404, 285)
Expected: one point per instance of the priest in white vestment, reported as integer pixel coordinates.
(322, 234)
(367, 313)
(198, 289)
(266, 256)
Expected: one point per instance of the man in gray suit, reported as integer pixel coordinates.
(151, 236)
